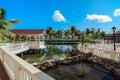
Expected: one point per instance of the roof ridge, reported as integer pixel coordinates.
(27, 29)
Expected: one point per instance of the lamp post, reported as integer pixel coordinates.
(113, 29)
(82, 41)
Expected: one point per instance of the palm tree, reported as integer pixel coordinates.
(2, 13)
(59, 33)
(54, 34)
(5, 26)
(97, 33)
(102, 34)
(67, 33)
(87, 31)
(72, 30)
(49, 31)
(77, 33)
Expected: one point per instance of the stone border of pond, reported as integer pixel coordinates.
(79, 56)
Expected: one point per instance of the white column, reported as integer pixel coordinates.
(27, 38)
(43, 37)
(19, 37)
(35, 38)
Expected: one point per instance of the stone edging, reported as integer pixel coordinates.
(108, 64)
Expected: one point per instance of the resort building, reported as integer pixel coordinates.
(34, 37)
(109, 38)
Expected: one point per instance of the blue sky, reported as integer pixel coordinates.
(38, 14)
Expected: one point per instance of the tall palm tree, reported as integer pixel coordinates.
(49, 31)
(77, 33)
(87, 31)
(2, 13)
(59, 33)
(6, 25)
(102, 34)
(72, 29)
(97, 34)
(67, 33)
(54, 34)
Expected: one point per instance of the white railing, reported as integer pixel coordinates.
(9, 64)
(13, 48)
(36, 45)
(17, 68)
(25, 45)
(117, 56)
(1, 55)
(105, 53)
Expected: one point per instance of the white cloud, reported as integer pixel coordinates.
(117, 12)
(58, 17)
(99, 18)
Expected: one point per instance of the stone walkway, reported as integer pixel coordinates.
(3, 73)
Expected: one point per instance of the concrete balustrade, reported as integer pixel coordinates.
(17, 68)
(37, 45)
(117, 56)
(13, 47)
(25, 45)
(114, 55)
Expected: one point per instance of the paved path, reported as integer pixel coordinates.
(3, 73)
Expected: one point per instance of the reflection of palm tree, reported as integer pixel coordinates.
(42, 58)
(67, 34)
(5, 26)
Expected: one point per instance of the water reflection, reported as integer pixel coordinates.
(57, 51)
(50, 52)
(78, 72)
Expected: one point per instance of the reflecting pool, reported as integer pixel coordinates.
(79, 71)
(75, 71)
(50, 52)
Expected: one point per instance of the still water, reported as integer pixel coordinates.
(50, 52)
(76, 71)
(79, 71)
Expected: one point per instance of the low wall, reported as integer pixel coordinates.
(109, 54)
(106, 65)
(17, 68)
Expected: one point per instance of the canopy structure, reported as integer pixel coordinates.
(35, 37)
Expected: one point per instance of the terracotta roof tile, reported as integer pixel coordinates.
(27, 31)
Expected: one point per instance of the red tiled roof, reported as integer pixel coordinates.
(27, 31)
(111, 35)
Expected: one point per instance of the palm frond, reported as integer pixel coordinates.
(5, 24)
(14, 21)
